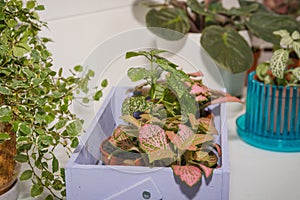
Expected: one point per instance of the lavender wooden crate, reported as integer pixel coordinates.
(87, 178)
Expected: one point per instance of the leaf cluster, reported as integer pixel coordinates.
(219, 27)
(284, 66)
(167, 119)
(35, 100)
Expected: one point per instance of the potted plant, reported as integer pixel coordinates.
(272, 113)
(220, 29)
(167, 121)
(35, 119)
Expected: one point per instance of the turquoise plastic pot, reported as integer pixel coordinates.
(272, 119)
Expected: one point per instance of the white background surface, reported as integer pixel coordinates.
(78, 26)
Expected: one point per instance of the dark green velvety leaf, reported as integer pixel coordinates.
(264, 24)
(49, 197)
(74, 143)
(227, 48)
(168, 23)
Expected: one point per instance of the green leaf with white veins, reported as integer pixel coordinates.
(296, 47)
(278, 62)
(296, 73)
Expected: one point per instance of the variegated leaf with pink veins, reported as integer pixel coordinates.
(186, 139)
(154, 142)
(189, 174)
(120, 139)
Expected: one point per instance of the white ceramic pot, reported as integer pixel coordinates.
(11, 194)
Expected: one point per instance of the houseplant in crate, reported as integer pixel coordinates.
(272, 118)
(168, 121)
(220, 29)
(35, 118)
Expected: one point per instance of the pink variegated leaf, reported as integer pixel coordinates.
(152, 137)
(195, 74)
(222, 97)
(208, 124)
(207, 171)
(120, 139)
(197, 89)
(201, 138)
(217, 147)
(183, 139)
(189, 174)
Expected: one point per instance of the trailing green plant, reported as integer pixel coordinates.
(35, 100)
(219, 27)
(168, 120)
(284, 65)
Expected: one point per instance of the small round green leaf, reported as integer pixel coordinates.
(27, 174)
(36, 190)
(78, 68)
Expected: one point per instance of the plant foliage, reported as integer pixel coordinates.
(284, 66)
(35, 99)
(219, 27)
(168, 121)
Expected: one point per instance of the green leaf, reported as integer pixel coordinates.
(98, 95)
(20, 49)
(55, 164)
(40, 7)
(49, 197)
(5, 90)
(30, 4)
(74, 128)
(36, 190)
(228, 48)
(296, 35)
(46, 140)
(104, 83)
(278, 62)
(168, 23)
(75, 142)
(21, 158)
(91, 73)
(5, 111)
(197, 7)
(49, 118)
(57, 94)
(78, 68)
(4, 137)
(261, 70)
(27, 174)
(296, 73)
(137, 74)
(264, 24)
(60, 124)
(25, 128)
(296, 47)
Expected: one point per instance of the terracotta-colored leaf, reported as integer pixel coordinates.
(207, 171)
(189, 174)
(152, 137)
